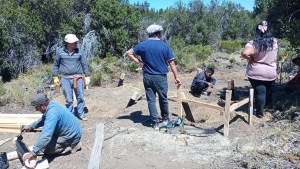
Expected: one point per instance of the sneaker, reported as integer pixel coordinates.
(83, 118)
(76, 148)
(165, 121)
(155, 126)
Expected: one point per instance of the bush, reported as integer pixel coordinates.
(232, 60)
(97, 78)
(188, 57)
(229, 46)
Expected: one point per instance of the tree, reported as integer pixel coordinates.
(117, 25)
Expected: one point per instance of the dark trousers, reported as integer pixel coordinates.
(157, 84)
(262, 94)
(198, 88)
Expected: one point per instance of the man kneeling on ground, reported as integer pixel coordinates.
(202, 81)
(61, 131)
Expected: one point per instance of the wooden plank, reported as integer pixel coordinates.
(179, 94)
(19, 118)
(213, 106)
(5, 130)
(95, 157)
(251, 94)
(239, 104)
(227, 113)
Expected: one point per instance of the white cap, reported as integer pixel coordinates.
(71, 38)
(154, 28)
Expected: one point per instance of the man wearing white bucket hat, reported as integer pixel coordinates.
(70, 64)
(155, 58)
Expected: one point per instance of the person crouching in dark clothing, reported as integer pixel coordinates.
(202, 81)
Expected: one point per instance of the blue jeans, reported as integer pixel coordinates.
(67, 85)
(59, 145)
(157, 84)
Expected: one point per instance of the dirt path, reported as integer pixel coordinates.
(142, 147)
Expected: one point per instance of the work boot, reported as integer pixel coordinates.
(76, 148)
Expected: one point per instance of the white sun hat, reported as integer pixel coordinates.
(154, 28)
(71, 38)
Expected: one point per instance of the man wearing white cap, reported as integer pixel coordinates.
(155, 58)
(70, 64)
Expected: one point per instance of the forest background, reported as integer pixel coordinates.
(31, 31)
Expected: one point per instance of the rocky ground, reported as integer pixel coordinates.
(130, 143)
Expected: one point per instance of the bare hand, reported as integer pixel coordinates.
(29, 156)
(25, 128)
(210, 85)
(177, 81)
(141, 64)
(251, 61)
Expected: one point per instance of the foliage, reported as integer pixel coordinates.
(188, 56)
(283, 18)
(97, 78)
(229, 46)
(21, 89)
(117, 23)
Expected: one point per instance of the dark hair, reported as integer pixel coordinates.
(262, 41)
(155, 34)
(210, 70)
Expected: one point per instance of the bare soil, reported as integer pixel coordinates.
(131, 143)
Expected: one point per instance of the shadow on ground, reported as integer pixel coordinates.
(138, 117)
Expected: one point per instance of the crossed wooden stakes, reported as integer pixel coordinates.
(229, 106)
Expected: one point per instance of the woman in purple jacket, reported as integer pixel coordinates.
(261, 53)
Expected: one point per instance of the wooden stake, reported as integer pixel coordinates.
(179, 95)
(133, 99)
(230, 84)
(95, 157)
(121, 79)
(251, 94)
(227, 113)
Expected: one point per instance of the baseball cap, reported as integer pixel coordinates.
(154, 28)
(71, 38)
(39, 99)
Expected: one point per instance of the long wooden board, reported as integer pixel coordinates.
(19, 118)
(95, 157)
(216, 107)
(239, 104)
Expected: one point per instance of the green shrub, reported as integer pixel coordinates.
(2, 88)
(97, 79)
(232, 60)
(177, 44)
(133, 66)
(229, 46)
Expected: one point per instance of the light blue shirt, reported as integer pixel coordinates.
(57, 122)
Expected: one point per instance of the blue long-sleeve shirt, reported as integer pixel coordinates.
(57, 121)
(67, 63)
